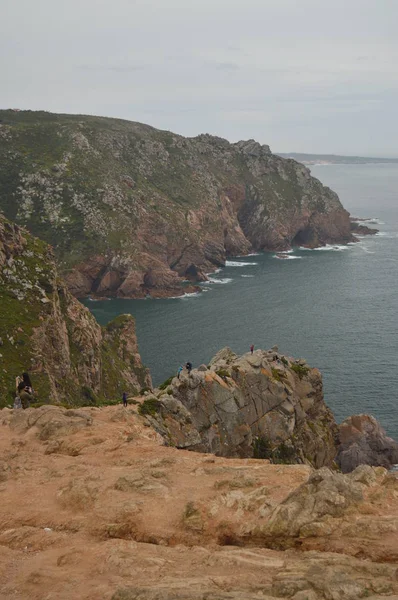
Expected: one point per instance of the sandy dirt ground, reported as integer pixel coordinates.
(94, 506)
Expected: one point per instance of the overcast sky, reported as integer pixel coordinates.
(300, 75)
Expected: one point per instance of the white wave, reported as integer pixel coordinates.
(190, 295)
(90, 299)
(211, 280)
(330, 247)
(365, 249)
(370, 221)
(287, 257)
(334, 248)
(387, 234)
(247, 275)
(234, 263)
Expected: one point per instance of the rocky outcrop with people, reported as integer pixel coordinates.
(45, 331)
(262, 404)
(132, 210)
(94, 505)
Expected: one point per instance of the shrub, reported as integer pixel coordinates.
(150, 407)
(223, 373)
(277, 375)
(166, 383)
(300, 370)
(88, 395)
(144, 389)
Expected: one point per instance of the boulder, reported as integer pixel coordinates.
(362, 441)
(307, 511)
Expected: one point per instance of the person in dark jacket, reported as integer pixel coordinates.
(125, 399)
(189, 367)
(25, 394)
(252, 348)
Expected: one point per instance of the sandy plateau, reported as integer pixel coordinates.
(94, 506)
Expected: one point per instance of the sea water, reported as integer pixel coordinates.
(335, 306)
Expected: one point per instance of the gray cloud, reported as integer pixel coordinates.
(307, 76)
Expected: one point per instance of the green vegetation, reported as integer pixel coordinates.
(300, 370)
(151, 407)
(44, 331)
(277, 375)
(83, 184)
(223, 373)
(166, 383)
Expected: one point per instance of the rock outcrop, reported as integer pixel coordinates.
(132, 210)
(362, 440)
(360, 229)
(44, 330)
(261, 404)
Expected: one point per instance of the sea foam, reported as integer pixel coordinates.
(234, 263)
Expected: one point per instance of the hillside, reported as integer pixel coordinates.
(44, 330)
(131, 210)
(95, 506)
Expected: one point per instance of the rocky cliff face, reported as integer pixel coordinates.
(132, 210)
(263, 404)
(44, 330)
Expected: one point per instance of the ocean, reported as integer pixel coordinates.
(335, 306)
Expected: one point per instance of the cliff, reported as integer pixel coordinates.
(44, 330)
(131, 210)
(263, 405)
(93, 505)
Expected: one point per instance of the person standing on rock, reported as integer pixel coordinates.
(180, 368)
(28, 383)
(24, 392)
(189, 367)
(252, 348)
(125, 399)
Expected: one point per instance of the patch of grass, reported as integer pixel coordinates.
(277, 375)
(150, 407)
(300, 370)
(223, 373)
(166, 383)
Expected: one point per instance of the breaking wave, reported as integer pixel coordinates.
(328, 248)
(222, 281)
(287, 257)
(234, 263)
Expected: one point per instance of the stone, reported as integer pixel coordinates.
(362, 441)
(238, 400)
(304, 512)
